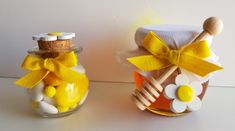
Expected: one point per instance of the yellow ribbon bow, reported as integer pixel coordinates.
(40, 68)
(189, 57)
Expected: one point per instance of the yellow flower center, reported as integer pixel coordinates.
(185, 93)
(55, 33)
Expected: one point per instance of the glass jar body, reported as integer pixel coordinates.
(53, 96)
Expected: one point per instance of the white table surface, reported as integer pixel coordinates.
(109, 108)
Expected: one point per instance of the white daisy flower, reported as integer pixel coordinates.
(184, 94)
(52, 36)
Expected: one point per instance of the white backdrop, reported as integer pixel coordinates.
(105, 28)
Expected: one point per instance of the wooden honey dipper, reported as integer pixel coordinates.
(147, 95)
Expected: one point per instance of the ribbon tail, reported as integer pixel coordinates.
(148, 62)
(66, 73)
(32, 78)
(197, 65)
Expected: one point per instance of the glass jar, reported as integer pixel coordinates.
(54, 97)
(163, 85)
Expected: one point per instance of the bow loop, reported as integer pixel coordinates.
(68, 59)
(155, 45)
(32, 63)
(199, 49)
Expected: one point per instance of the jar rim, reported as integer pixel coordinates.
(76, 49)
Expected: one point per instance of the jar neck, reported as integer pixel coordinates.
(53, 53)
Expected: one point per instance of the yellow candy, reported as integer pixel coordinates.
(74, 106)
(62, 109)
(185, 93)
(50, 91)
(55, 33)
(52, 79)
(83, 87)
(69, 94)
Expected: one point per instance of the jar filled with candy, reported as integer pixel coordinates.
(56, 83)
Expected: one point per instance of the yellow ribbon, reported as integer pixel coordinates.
(189, 57)
(40, 68)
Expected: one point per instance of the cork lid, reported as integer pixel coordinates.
(54, 40)
(52, 44)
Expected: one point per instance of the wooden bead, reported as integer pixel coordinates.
(213, 26)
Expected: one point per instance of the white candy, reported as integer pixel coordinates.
(44, 107)
(36, 93)
(79, 68)
(48, 100)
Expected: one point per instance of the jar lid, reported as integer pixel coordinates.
(175, 36)
(53, 36)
